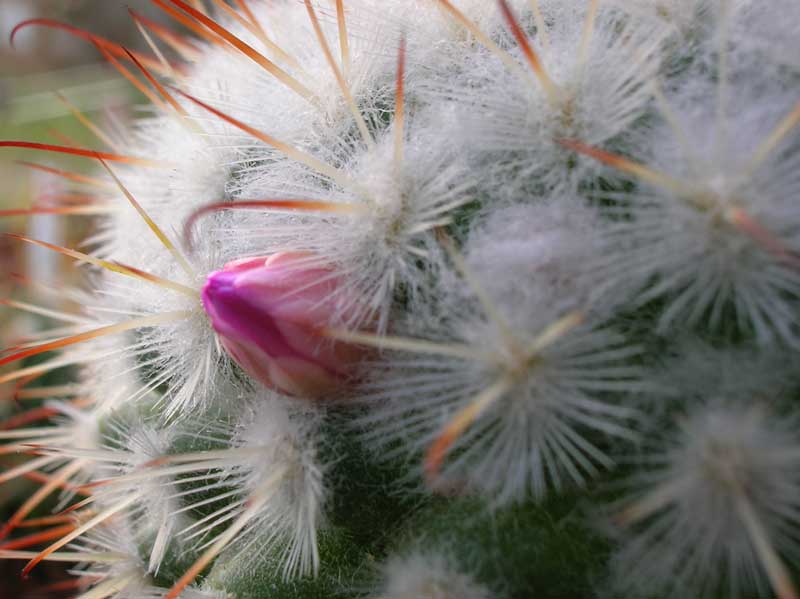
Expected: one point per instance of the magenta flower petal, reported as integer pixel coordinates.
(268, 313)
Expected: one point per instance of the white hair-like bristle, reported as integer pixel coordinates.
(722, 232)
(534, 371)
(714, 508)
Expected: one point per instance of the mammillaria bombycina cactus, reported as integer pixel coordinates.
(432, 299)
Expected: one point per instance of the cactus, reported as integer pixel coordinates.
(433, 299)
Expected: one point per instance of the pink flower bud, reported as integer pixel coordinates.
(269, 313)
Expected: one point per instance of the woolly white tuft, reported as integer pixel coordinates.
(716, 508)
(718, 230)
(428, 576)
(513, 387)
(592, 84)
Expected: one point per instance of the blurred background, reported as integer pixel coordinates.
(42, 62)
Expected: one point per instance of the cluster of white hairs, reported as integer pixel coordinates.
(563, 238)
